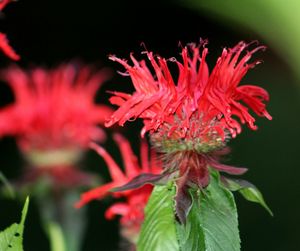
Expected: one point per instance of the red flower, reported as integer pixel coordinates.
(54, 109)
(175, 110)
(190, 121)
(4, 44)
(132, 209)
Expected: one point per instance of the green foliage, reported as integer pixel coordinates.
(11, 238)
(211, 224)
(254, 195)
(191, 235)
(281, 22)
(248, 191)
(56, 237)
(159, 229)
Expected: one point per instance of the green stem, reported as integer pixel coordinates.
(64, 224)
(56, 236)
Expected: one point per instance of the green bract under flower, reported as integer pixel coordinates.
(171, 146)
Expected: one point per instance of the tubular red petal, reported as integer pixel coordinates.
(3, 3)
(117, 209)
(97, 193)
(129, 159)
(7, 49)
(114, 169)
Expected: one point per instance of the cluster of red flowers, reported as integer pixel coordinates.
(189, 120)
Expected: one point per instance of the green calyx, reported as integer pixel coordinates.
(169, 145)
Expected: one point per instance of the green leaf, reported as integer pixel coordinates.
(159, 228)
(248, 190)
(191, 235)
(11, 238)
(212, 224)
(254, 195)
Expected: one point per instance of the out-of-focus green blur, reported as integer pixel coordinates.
(277, 22)
(50, 31)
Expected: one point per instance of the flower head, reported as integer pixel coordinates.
(191, 119)
(54, 110)
(4, 44)
(132, 209)
(201, 105)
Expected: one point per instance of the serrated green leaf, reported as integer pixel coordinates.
(190, 235)
(159, 230)
(212, 224)
(248, 190)
(11, 238)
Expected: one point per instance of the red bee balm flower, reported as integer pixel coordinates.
(191, 121)
(4, 44)
(54, 116)
(132, 209)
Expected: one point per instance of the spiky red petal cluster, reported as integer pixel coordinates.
(54, 109)
(200, 104)
(132, 209)
(4, 43)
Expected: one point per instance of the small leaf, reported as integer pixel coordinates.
(159, 230)
(235, 184)
(248, 190)
(212, 223)
(254, 195)
(140, 180)
(11, 238)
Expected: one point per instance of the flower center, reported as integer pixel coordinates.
(209, 143)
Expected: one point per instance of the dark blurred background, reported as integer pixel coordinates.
(49, 32)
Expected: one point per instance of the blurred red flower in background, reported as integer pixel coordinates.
(132, 209)
(54, 116)
(54, 109)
